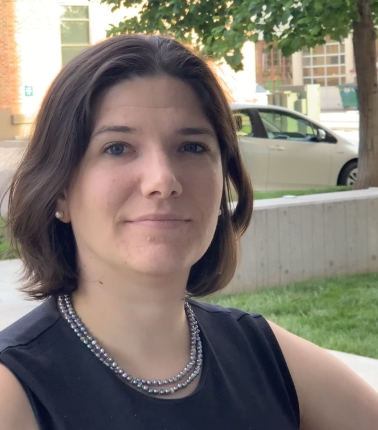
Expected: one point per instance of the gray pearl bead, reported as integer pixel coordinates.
(69, 314)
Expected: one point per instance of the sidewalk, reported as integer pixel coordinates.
(13, 306)
(10, 155)
(341, 120)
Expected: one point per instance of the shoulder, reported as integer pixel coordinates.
(254, 327)
(209, 308)
(330, 394)
(30, 327)
(15, 409)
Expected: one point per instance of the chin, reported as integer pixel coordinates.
(160, 262)
(159, 269)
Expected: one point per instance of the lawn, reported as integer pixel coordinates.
(276, 194)
(260, 195)
(4, 244)
(338, 313)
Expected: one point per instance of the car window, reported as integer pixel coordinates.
(243, 123)
(283, 125)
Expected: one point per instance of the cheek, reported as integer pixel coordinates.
(99, 192)
(205, 189)
(209, 185)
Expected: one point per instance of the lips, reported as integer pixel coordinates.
(160, 217)
(165, 221)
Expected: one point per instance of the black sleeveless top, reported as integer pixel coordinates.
(245, 383)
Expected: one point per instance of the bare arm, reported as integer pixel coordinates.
(331, 396)
(15, 410)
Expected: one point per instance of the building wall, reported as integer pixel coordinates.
(241, 85)
(330, 96)
(272, 69)
(297, 69)
(9, 73)
(37, 40)
(31, 57)
(30, 54)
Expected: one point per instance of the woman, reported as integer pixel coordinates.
(120, 209)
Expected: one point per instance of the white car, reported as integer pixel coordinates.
(285, 150)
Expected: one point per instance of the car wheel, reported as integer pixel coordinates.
(348, 176)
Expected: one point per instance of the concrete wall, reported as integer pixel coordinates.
(297, 68)
(330, 98)
(296, 239)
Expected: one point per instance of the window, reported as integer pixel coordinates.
(282, 125)
(318, 61)
(314, 60)
(74, 31)
(243, 124)
(273, 69)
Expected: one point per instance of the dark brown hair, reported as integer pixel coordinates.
(62, 132)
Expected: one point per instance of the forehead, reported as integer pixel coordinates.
(153, 95)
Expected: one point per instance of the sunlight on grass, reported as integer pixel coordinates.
(338, 313)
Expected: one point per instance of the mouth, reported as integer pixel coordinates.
(160, 221)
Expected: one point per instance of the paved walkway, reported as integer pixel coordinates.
(10, 155)
(341, 120)
(14, 306)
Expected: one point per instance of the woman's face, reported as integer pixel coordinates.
(147, 193)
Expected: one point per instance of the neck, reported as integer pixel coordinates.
(136, 319)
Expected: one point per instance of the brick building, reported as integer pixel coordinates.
(36, 38)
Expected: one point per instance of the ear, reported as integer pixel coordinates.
(62, 208)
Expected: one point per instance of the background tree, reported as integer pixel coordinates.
(223, 26)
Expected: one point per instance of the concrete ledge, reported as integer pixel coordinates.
(14, 143)
(297, 239)
(365, 367)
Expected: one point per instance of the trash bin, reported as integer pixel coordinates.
(349, 96)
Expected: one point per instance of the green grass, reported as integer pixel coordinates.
(276, 194)
(338, 313)
(260, 195)
(5, 252)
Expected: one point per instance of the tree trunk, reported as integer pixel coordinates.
(364, 37)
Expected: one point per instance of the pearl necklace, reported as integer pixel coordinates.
(148, 386)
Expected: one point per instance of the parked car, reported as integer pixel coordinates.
(285, 150)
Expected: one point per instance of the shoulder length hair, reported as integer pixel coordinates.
(61, 135)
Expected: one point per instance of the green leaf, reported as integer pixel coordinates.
(224, 26)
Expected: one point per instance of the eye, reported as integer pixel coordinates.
(116, 148)
(194, 148)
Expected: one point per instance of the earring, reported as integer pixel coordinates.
(220, 212)
(59, 215)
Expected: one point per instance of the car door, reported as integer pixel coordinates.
(254, 149)
(298, 157)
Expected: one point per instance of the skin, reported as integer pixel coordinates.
(134, 272)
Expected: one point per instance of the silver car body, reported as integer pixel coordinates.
(305, 155)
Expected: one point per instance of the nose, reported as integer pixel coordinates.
(159, 178)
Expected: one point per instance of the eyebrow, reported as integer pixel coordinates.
(187, 131)
(191, 131)
(114, 129)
